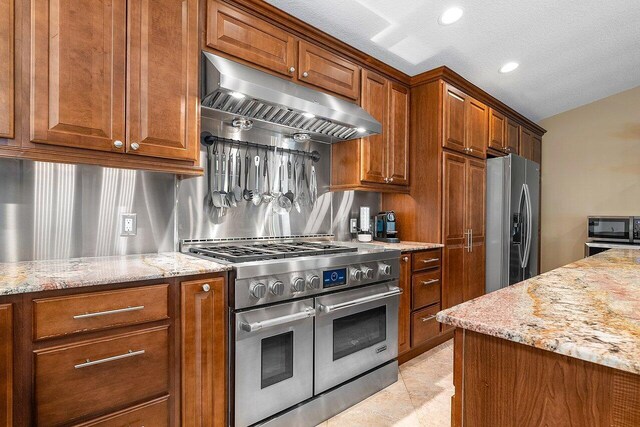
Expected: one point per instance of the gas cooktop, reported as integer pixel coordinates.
(238, 252)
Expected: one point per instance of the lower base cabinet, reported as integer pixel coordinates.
(6, 365)
(204, 353)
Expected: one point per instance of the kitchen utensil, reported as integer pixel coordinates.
(256, 197)
(282, 203)
(246, 194)
(237, 189)
(289, 193)
(302, 196)
(267, 196)
(313, 186)
(231, 199)
(296, 182)
(215, 195)
(209, 198)
(223, 179)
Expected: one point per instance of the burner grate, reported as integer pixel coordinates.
(264, 251)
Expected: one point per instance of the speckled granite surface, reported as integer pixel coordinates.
(589, 309)
(36, 276)
(405, 246)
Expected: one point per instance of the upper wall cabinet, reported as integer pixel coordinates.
(466, 122)
(323, 69)
(6, 68)
(512, 133)
(91, 58)
(250, 38)
(504, 133)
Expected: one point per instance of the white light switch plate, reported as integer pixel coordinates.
(128, 224)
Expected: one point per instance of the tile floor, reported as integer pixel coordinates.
(420, 398)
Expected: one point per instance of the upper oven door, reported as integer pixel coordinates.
(273, 360)
(610, 229)
(355, 331)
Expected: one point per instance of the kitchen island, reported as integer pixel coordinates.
(562, 348)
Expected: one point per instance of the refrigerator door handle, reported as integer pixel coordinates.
(521, 209)
(527, 248)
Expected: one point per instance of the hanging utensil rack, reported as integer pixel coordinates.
(207, 139)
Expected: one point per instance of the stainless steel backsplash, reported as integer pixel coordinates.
(51, 210)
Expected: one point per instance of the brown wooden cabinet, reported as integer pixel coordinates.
(404, 310)
(250, 39)
(466, 122)
(141, 58)
(497, 130)
(536, 149)
(7, 70)
(513, 136)
(6, 365)
(526, 143)
(204, 352)
(374, 149)
(463, 222)
(398, 136)
(328, 71)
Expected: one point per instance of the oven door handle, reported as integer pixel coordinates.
(331, 308)
(269, 323)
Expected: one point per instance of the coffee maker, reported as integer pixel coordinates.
(385, 227)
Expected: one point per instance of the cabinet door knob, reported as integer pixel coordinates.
(305, 74)
(405, 258)
(292, 69)
(390, 179)
(206, 287)
(117, 143)
(135, 146)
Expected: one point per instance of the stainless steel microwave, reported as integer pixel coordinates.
(614, 229)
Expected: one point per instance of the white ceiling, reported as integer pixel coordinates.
(571, 52)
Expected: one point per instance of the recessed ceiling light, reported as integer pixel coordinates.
(309, 115)
(509, 67)
(237, 95)
(450, 16)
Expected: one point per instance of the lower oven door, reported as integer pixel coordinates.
(273, 360)
(355, 331)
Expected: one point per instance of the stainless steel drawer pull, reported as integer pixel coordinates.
(108, 312)
(428, 282)
(330, 308)
(90, 362)
(251, 327)
(426, 319)
(427, 261)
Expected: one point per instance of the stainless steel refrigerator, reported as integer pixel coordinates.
(513, 201)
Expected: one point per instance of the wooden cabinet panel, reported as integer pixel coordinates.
(497, 128)
(424, 325)
(477, 128)
(162, 90)
(203, 352)
(425, 289)
(398, 135)
(404, 311)
(474, 263)
(78, 73)
(7, 61)
(526, 143)
(6, 365)
(513, 136)
(321, 68)
(250, 38)
(99, 310)
(154, 413)
(454, 133)
(127, 368)
(536, 149)
(374, 149)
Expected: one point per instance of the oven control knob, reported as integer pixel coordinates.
(258, 290)
(356, 274)
(385, 269)
(277, 288)
(367, 272)
(313, 282)
(297, 285)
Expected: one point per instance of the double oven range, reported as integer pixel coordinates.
(313, 327)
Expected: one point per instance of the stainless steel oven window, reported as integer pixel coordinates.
(358, 331)
(276, 359)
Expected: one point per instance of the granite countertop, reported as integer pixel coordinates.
(589, 310)
(405, 246)
(37, 276)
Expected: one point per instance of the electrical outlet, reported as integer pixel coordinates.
(353, 226)
(128, 224)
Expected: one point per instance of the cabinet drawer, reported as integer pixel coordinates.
(99, 310)
(100, 375)
(427, 259)
(424, 325)
(425, 289)
(154, 413)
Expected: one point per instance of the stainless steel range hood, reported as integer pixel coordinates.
(233, 91)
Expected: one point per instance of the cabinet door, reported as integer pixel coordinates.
(526, 143)
(474, 263)
(497, 127)
(404, 311)
(162, 95)
(454, 119)
(398, 135)
(6, 69)
(373, 149)
(204, 331)
(78, 73)
(536, 149)
(454, 228)
(328, 71)
(477, 128)
(6, 365)
(250, 38)
(513, 136)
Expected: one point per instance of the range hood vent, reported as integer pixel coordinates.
(234, 91)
